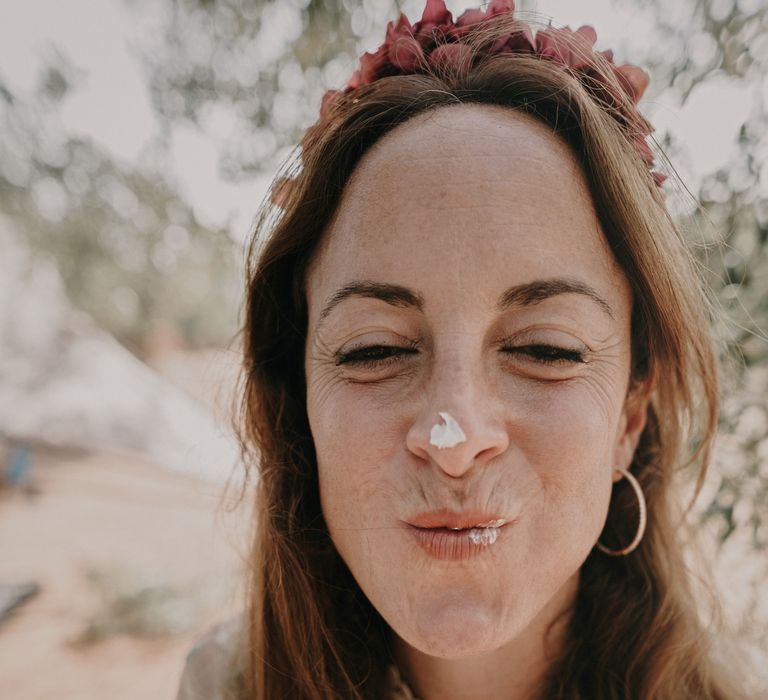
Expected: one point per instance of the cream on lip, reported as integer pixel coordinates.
(451, 544)
(482, 533)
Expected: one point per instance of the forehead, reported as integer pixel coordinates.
(478, 196)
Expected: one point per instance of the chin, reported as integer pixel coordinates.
(451, 626)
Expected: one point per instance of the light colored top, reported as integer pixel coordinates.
(210, 669)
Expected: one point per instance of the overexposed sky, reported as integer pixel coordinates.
(111, 104)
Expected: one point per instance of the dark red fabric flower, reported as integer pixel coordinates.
(634, 80)
(372, 66)
(472, 17)
(434, 26)
(519, 42)
(448, 57)
(435, 13)
(404, 52)
(435, 43)
(571, 49)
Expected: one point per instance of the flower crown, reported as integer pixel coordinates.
(435, 43)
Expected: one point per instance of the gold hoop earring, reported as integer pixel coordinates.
(641, 524)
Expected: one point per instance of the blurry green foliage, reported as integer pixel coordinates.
(129, 250)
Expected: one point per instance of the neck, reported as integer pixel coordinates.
(514, 671)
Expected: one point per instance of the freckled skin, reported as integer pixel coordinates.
(458, 205)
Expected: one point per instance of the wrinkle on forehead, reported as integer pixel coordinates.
(454, 154)
(476, 141)
(468, 158)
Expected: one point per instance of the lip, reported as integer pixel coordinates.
(446, 518)
(457, 545)
(449, 535)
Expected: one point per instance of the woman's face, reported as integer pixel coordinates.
(466, 272)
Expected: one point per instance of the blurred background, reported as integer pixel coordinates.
(137, 140)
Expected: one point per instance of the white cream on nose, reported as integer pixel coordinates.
(447, 434)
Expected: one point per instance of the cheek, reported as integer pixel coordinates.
(354, 444)
(570, 425)
(569, 441)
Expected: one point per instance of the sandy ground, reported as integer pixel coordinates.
(135, 527)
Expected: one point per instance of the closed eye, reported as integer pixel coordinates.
(374, 355)
(547, 354)
(383, 355)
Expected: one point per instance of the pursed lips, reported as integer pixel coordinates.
(453, 520)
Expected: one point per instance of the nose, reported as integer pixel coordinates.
(470, 405)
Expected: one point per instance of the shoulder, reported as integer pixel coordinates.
(211, 665)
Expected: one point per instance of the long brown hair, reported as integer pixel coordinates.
(635, 630)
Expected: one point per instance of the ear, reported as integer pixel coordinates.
(633, 418)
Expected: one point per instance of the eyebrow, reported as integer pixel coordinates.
(525, 294)
(538, 290)
(394, 294)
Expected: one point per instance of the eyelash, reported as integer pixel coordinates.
(371, 356)
(362, 357)
(548, 354)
